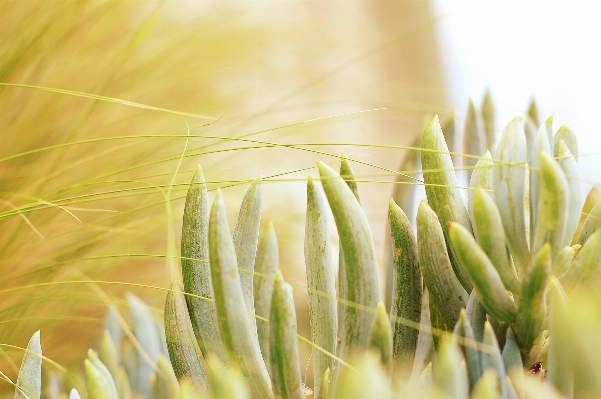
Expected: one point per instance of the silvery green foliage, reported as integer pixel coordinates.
(29, 381)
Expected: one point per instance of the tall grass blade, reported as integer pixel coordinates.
(196, 270)
(485, 278)
(237, 333)
(266, 267)
(442, 190)
(508, 181)
(29, 380)
(186, 358)
(246, 239)
(444, 287)
(360, 261)
(283, 343)
(323, 314)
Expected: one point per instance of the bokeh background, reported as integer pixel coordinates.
(244, 89)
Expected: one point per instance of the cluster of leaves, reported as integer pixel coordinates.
(477, 292)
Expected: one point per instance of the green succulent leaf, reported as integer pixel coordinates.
(566, 135)
(485, 278)
(74, 394)
(488, 229)
(474, 135)
(443, 191)
(283, 343)
(570, 167)
(533, 112)
(463, 335)
(476, 315)
(266, 266)
(511, 353)
(368, 380)
(591, 224)
(564, 260)
(450, 373)
(530, 130)
(164, 383)
(147, 335)
(560, 373)
(93, 358)
(487, 387)
(107, 353)
(586, 262)
(509, 188)
(360, 261)
(591, 199)
(380, 337)
(541, 144)
(226, 382)
(553, 206)
(29, 380)
(237, 333)
(123, 385)
(246, 239)
(99, 382)
(186, 358)
(196, 270)
(491, 357)
(321, 283)
(444, 287)
(407, 289)
(326, 385)
(481, 177)
(425, 345)
(488, 117)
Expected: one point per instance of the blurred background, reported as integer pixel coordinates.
(243, 89)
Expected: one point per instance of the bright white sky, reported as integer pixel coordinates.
(520, 49)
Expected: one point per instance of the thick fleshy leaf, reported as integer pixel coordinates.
(246, 239)
(237, 333)
(487, 387)
(107, 353)
(407, 290)
(186, 358)
(476, 315)
(485, 278)
(449, 372)
(560, 373)
(347, 174)
(531, 309)
(592, 197)
(321, 283)
(74, 394)
(463, 335)
(481, 177)
(443, 191)
(226, 382)
(491, 357)
(380, 337)
(570, 167)
(123, 385)
(474, 136)
(196, 271)
(368, 380)
(97, 363)
(29, 380)
(591, 224)
(566, 135)
(586, 262)
(164, 383)
(511, 353)
(425, 345)
(541, 144)
(533, 112)
(509, 180)
(99, 382)
(488, 117)
(554, 201)
(564, 260)
(147, 335)
(326, 385)
(360, 261)
(283, 343)
(489, 232)
(266, 267)
(444, 287)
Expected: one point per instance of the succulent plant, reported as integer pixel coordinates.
(476, 293)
